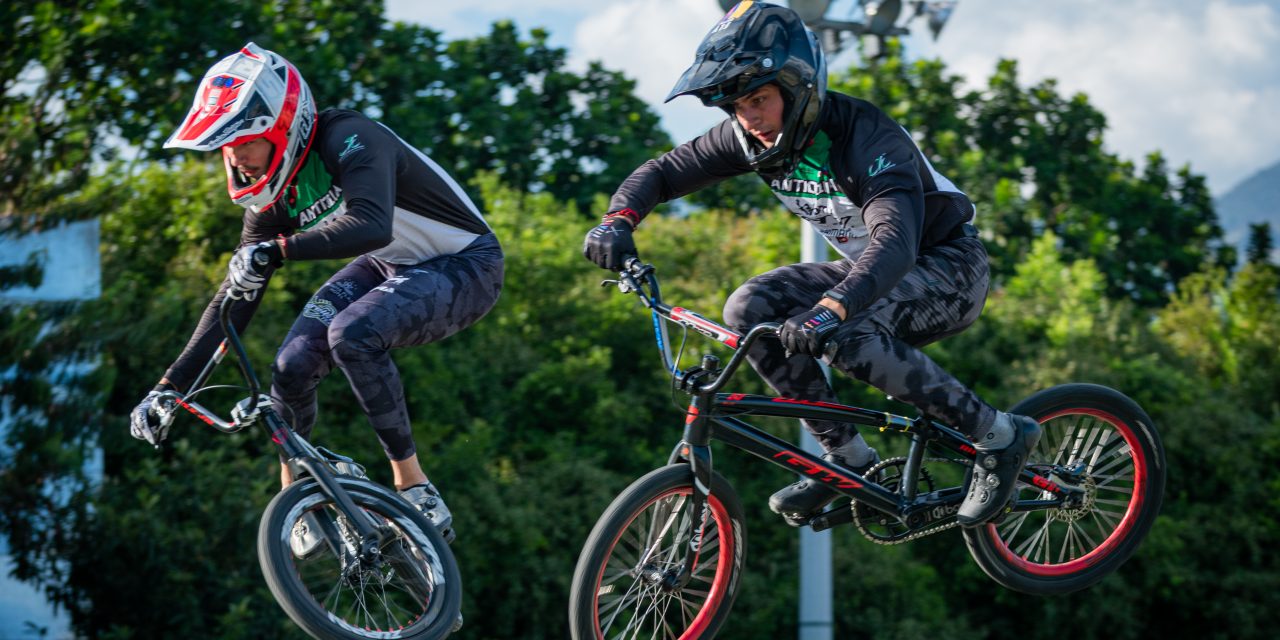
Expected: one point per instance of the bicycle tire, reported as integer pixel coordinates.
(415, 571)
(1069, 549)
(703, 605)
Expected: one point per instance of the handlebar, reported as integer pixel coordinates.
(247, 410)
(639, 278)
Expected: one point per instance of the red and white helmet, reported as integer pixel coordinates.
(253, 93)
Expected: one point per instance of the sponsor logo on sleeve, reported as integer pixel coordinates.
(353, 144)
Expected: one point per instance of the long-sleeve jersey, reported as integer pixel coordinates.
(361, 189)
(863, 183)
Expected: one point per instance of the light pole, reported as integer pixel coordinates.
(817, 617)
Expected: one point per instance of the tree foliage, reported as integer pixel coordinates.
(1033, 161)
(533, 419)
(81, 80)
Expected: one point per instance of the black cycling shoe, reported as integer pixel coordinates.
(797, 503)
(995, 475)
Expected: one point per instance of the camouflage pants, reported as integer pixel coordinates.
(941, 296)
(370, 307)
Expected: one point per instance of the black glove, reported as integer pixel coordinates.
(610, 244)
(146, 423)
(248, 268)
(808, 332)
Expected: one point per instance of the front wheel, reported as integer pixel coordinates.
(405, 586)
(621, 588)
(1058, 551)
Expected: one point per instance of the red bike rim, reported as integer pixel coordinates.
(719, 584)
(1121, 531)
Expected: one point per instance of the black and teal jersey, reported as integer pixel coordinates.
(863, 183)
(364, 190)
(812, 192)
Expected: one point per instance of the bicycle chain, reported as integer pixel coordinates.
(915, 535)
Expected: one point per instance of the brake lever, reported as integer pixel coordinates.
(624, 285)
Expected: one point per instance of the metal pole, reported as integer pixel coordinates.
(816, 616)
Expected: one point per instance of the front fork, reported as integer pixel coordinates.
(695, 450)
(302, 456)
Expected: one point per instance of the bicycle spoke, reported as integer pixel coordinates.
(1084, 535)
(1015, 524)
(631, 603)
(1099, 516)
(1032, 542)
(1118, 458)
(1099, 450)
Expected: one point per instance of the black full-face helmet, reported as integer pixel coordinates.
(753, 45)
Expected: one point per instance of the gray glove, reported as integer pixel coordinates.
(248, 268)
(149, 421)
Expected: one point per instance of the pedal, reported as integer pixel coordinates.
(828, 519)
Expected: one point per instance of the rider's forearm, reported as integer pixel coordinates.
(207, 336)
(696, 164)
(894, 220)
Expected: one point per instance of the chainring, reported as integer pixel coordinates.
(882, 529)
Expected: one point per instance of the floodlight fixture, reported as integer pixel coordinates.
(881, 15)
(937, 13)
(810, 11)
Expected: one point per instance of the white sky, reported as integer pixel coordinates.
(1196, 79)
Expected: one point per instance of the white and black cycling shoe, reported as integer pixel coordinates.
(427, 499)
(994, 480)
(305, 539)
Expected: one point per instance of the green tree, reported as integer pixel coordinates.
(507, 105)
(79, 78)
(76, 86)
(1033, 161)
(1260, 244)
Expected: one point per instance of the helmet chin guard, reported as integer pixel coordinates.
(251, 94)
(755, 44)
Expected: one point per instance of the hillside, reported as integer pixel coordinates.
(1256, 199)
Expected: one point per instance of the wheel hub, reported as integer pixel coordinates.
(1073, 514)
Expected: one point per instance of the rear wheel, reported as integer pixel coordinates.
(407, 587)
(1062, 550)
(619, 588)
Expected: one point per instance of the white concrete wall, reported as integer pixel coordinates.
(70, 256)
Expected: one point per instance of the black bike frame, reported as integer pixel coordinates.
(716, 416)
(297, 453)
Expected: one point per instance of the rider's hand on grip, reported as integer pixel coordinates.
(808, 332)
(248, 268)
(149, 421)
(609, 244)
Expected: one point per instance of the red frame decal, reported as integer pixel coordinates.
(706, 327)
(818, 473)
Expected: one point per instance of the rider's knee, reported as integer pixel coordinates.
(744, 309)
(295, 367)
(354, 339)
(856, 348)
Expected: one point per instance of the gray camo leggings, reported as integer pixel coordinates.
(370, 307)
(941, 296)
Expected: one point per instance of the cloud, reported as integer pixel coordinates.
(652, 41)
(469, 19)
(1197, 81)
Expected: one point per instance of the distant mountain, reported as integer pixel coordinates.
(1255, 200)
